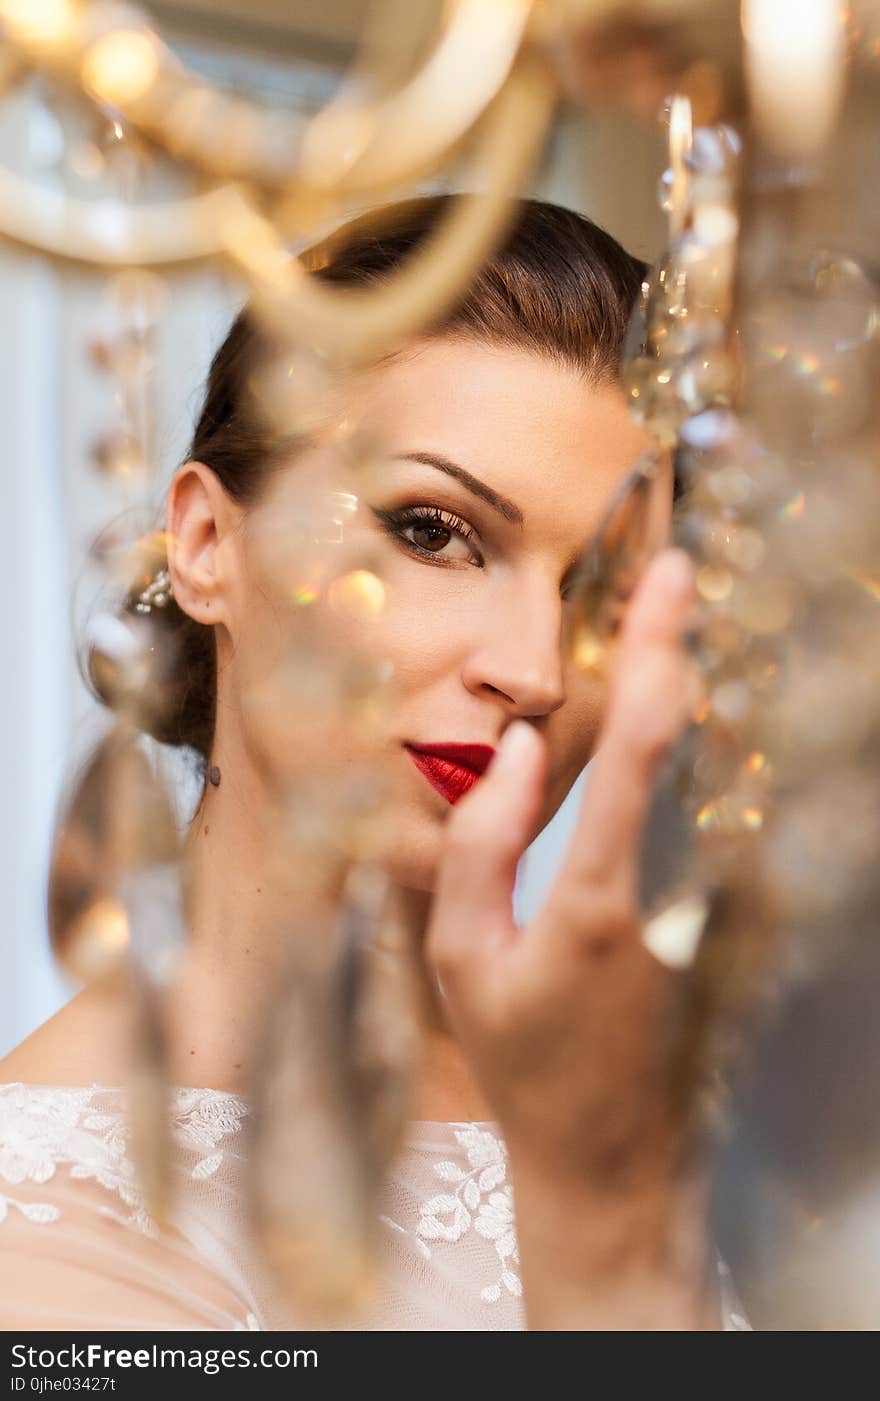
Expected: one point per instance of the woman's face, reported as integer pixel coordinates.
(497, 466)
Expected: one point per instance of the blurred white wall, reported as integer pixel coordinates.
(53, 406)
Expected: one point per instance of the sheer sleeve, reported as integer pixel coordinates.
(77, 1250)
(68, 1265)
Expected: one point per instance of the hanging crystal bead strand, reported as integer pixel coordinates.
(338, 1048)
(107, 930)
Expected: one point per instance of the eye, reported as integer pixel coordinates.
(431, 532)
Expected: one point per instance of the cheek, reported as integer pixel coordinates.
(421, 635)
(259, 642)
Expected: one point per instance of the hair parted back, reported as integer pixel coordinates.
(558, 285)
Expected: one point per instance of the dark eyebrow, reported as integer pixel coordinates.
(502, 504)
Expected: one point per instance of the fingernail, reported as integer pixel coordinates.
(512, 749)
(679, 571)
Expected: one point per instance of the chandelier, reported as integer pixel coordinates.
(752, 355)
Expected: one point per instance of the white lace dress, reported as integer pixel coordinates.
(79, 1251)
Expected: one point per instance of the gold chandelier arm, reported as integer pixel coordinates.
(353, 326)
(358, 148)
(109, 233)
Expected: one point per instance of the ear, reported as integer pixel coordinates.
(201, 518)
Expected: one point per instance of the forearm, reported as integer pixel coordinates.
(640, 1262)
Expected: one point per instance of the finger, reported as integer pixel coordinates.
(650, 700)
(486, 835)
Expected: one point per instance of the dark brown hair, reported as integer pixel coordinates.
(558, 285)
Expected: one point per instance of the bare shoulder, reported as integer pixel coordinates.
(84, 1043)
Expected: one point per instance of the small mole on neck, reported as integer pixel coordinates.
(214, 775)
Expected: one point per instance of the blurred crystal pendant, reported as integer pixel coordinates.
(382, 994)
(811, 335)
(149, 1100)
(332, 1096)
(311, 1188)
(705, 822)
(154, 899)
(117, 822)
(610, 568)
(675, 897)
(119, 456)
(678, 356)
(116, 836)
(675, 892)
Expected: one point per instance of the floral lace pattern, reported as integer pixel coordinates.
(43, 1127)
(482, 1199)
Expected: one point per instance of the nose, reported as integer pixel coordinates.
(516, 655)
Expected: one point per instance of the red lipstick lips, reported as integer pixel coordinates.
(452, 769)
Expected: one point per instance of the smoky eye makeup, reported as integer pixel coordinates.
(431, 533)
(442, 537)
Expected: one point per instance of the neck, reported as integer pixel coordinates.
(239, 900)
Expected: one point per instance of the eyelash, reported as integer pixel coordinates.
(395, 522)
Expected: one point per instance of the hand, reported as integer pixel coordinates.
(566, 1021)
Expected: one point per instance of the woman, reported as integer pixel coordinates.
(505, 434)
